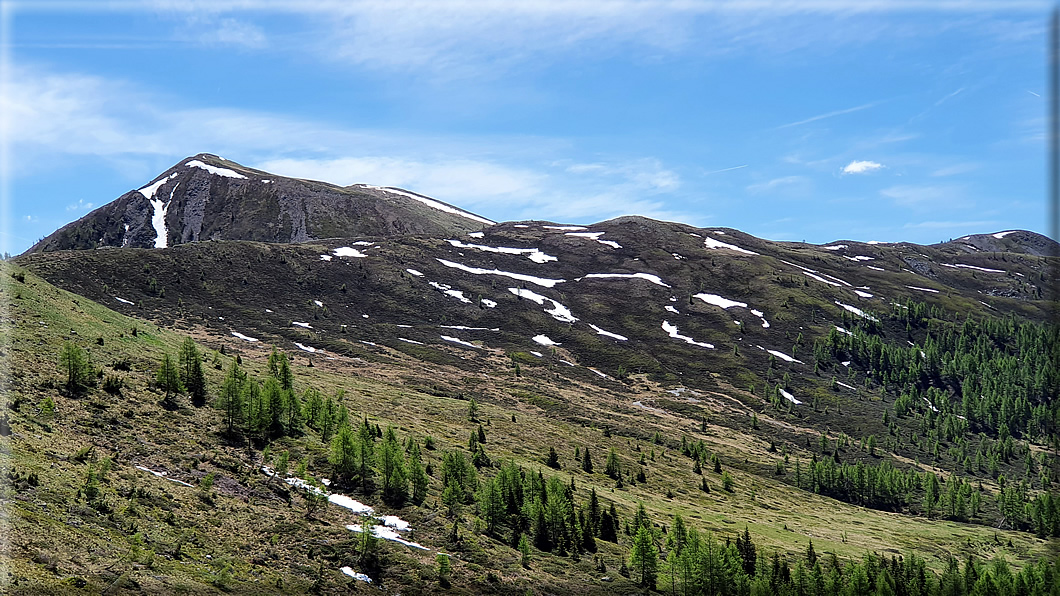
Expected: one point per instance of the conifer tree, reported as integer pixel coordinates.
(191, 373)
(644, 558)
(392, 469)
(587, 462)
(231, 398)
(76, 368)
(417, 475)
(168, 378)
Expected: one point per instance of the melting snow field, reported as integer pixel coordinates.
(124, 301)
(432, 203)
(244, 337)
(457, 340)
(387, 533)
(545, 341)
(858, 258)
(215, 170)
(719, 301)
(761, 315)
(841, 330)
(325, 257)
(533, 254)
(598, 372)
(973, 267)
(414, 272)
(672, 331)
(558, 311)
(923, 289)
(835, 247)
(158, 221)
(410, 341)
(608, 333)
(348, 251)
(595, 236)
(715, 244)
(863, 294)
(448, 290)
(1001, 235)
(476, 234)
(876, 268)
(648, 276)
(782, 356)
(790, 397)
(149, 191)
(850, 387)
(306, 348)
(488, 303)
(306, 325)
(162, 475)
(548, 283)
(566, 228)
(355, 575)
(856, 311)
(672, 309)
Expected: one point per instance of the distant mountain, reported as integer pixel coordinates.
(207, 197)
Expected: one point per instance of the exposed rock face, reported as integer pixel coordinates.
(206, 197)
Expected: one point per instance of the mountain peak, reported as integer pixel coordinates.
(208, 197)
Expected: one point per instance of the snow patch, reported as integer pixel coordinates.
(595, 236)
(790, 397)
(858, 258)
(325, 257)
(863, 294)
(432, 203)
(533, 254)
(300, 324)
(647, 276)
(488, 303)
(545, 341)
(215, 170)
(414, 272)
(841, 330)
(558, 311)
(244, 337)
(348, 251)
(565, 228)
(598, 372)
(923, 289)
(538, 354)
(857, 311)
(1001, 235)
(463, 328)
(672, 331)
(162, 475)
(387, 533)
(850, 387)
(457, 340)
(973, 267)
(476, 234)
(306, 348)
(761, 315)
(715, 244)
(876, 268)
(782, 356)
(719, 301)
(149, 191)
(158, 221)
(410, 341)
(355, 575)
(447, 289)
(548, 283)
(122, 300)
(835, 247)
(672, 309)
(318, 303)
(608, 333)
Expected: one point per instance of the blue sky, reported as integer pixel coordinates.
(791, 120)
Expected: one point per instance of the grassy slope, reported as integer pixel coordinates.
(248, 537)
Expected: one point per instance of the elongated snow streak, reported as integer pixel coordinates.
(672, 331)
(244, 337)
(595, 236)
(463, 328)
(476, 234)
(923, 289)
(558, 311)
(545, 341)
(973, 267)
(306, 348)
(719, 301)
(387, 533)
(447, 289)
(672, 309)
(821, 279)
(149, 191)
(410, 341)
(715, 244)
(300, 324)
(432, 203)
(457, 340)
(858, 258)
(784, 356)
(566, 228)
(541, 281)
(835, 247)
(841, 330)
(598, 372)
(325, 257)
(356, 575)
(162, 475)
(761, 315)
(647, 276)
(348, 251)
(318, 303)
(414, 272)
(863, 294)
(876, 268)
(158, 220)
(851, 387)
(608, 333)
(538, 354)
(1001, 235)
(363, 243)
(124, 300)
(533, 254)
(488, 303)
(857, 311)
(215, 170)
(790, 397)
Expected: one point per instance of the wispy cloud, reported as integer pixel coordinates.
(830, 114)
(724, 170)
(80, 205)
(861, 167)
(927, 196)
(782, 185)
(231, 32)
(948, 97)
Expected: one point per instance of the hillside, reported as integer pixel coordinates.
(206, 197)
(892, 403)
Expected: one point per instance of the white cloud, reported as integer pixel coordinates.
(232, 33)
(830, 114)
(80, 205)
(861, 167)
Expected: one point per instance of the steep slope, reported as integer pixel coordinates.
(206, 197)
